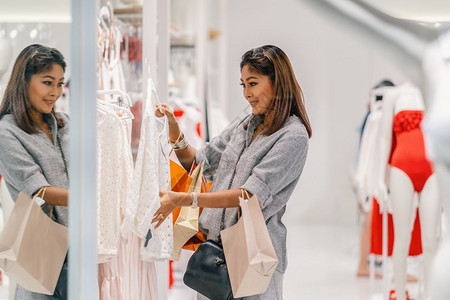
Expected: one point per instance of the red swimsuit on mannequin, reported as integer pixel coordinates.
(408, 148)
(408, 155)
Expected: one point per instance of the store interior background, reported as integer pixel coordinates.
(336, 62)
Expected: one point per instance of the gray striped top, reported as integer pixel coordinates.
(269, 167)
(31, 161)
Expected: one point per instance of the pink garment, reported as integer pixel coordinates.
(127, 276)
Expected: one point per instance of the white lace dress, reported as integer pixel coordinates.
(151, 174)
(122, 274)
(160, 245)
(114, 171)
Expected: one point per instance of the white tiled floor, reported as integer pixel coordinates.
(322, 264)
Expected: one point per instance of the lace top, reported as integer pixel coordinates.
(114, 170)
(407, 120)
(144, 190)
(151, 174)
(160, 246)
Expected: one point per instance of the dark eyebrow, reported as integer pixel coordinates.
(51, 77)
(251, 77)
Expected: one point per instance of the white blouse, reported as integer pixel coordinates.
(151, 174)
(114, 171)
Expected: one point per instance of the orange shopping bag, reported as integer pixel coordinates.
(181, 181)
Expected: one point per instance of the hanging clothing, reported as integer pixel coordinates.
(190, 120)
(160, 245)
(127, 276)
(111, 71)
(144, 192)
(376, 235)
(366, 175)
(152, 173)
(114, 171)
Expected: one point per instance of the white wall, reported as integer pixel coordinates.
(35, 11)
(20, 35)
(336, 65)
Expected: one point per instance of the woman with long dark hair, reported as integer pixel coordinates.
(34, 139)
(264, 154)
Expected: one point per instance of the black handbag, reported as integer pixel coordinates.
(207, 272)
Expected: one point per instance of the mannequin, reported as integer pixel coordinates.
(436, 125)
(5, 55)
(407, 174)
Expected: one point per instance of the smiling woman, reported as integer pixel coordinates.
(44, 89)
(34, 139)
(263, 154)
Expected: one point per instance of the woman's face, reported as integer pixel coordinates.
(45, 88)
(258, 90)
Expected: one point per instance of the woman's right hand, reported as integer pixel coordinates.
(174, 129)
(169, 201)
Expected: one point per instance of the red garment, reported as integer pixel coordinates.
(376, 239)
(171, 279)
(408, 148)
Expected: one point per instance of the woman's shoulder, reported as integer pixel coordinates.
(8, 128)
(7, 122)
(294, 127)
(63, 116)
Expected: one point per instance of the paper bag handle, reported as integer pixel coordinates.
(41, 194)
(243, 197)
(246, 193)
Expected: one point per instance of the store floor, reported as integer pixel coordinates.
(322, 265)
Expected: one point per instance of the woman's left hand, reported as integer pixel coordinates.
(169, 201)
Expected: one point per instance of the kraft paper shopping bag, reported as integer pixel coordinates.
(33, 247)
(249, 253)
(186, 225)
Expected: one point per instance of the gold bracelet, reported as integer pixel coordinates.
(177, 140)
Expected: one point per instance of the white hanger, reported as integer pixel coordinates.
(125, 96)
(113, 108)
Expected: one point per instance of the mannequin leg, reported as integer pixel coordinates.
(364, 250)
(439, 289)
(402, 196)
(430, 220)
(442, 171)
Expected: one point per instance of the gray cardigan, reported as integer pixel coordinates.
(31, 161)
(269, 167)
